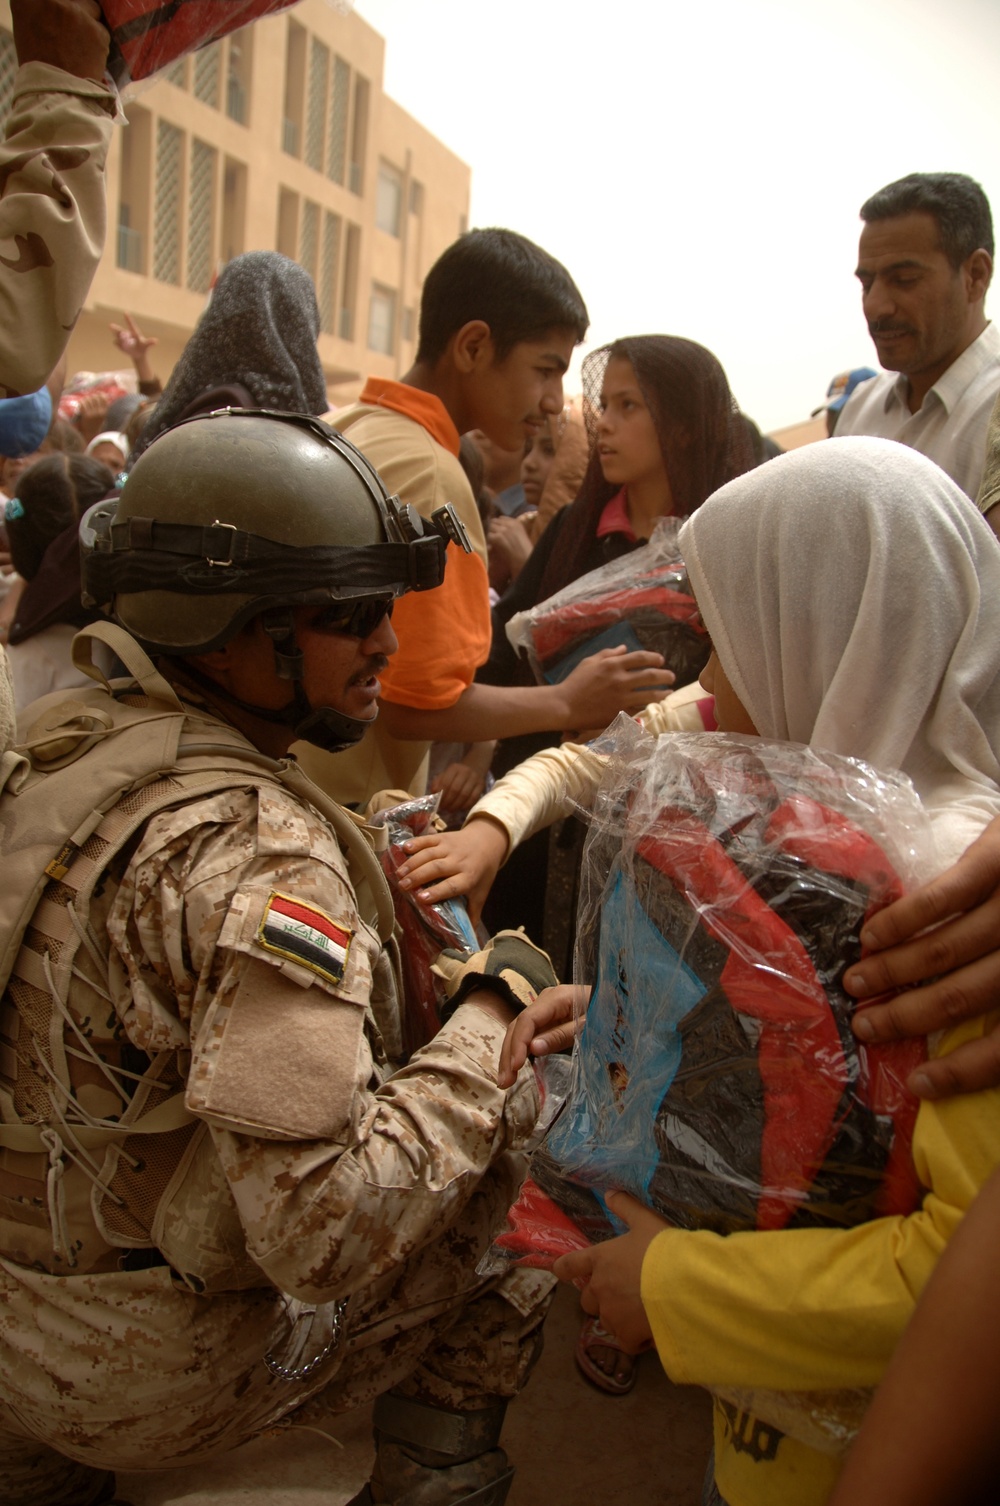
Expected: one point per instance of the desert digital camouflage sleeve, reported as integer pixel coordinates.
(236, 937)
(52, 216)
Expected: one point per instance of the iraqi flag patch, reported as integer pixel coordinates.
(305, 935)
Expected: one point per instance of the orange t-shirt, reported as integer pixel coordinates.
(444, 634)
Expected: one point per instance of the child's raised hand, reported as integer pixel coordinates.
(459, 786)
(612, 680)
(444, 864)
(609, 1274)
(550, 1024)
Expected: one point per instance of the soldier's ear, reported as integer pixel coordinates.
(215, 659)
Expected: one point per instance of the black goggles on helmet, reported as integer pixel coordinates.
(355, 619)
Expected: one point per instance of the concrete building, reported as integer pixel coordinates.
(278, 137)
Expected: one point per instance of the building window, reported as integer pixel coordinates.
(416, 197)
(309, 242)
(207, 68)
(349, 288)
(295, 89)
(238, 61)
(359, 135)
(336, 146)
(326, 282)
(319, 67)
(288, 223)
(388, 199)
(8, 68)
(382, 320)
(134, 200)
(167, 222)
(130, 248)
(177, 73)
(409, 324)
(234, 209)
(201, 217)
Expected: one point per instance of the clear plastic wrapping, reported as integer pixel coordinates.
(147, 35)
(641, 601)
(110, 384)
(725, 884)
(426, 929)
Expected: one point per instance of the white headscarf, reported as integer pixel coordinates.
(852, 593)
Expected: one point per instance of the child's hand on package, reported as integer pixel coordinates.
(442, 865)
(609, 1275)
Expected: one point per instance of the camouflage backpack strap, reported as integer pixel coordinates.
(135, 659)
(98, 766)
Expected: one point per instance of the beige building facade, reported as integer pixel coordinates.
(279, 137)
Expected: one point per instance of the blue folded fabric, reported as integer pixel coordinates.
(24, 422)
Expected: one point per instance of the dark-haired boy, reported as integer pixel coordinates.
(499, 319)
(925, 261)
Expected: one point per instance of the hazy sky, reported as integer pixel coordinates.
(699, 164)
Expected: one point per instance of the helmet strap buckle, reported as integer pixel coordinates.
(279, 626)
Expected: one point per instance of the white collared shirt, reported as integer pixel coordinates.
(950, 425)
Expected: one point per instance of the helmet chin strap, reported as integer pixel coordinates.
(323, 726)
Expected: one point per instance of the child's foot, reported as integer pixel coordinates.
(603, 1361)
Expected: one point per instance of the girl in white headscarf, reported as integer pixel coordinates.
(852, 594)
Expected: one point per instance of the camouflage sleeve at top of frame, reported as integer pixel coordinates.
(53, 216)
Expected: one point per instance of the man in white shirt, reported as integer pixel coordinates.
(925, 261)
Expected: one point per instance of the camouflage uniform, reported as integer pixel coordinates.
(52, 216)
(337, 1213)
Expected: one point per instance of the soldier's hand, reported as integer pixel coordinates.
(550, 1024)
(509, 965)
(947, 931)
(68, 34)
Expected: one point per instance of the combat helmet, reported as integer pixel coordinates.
(244, 513)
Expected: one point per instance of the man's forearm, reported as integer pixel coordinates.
(591, 696)
(482, 712)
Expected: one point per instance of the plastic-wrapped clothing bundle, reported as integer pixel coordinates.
(641, 601)
(147, 35)
(426, 929)
(110, 384)
(726, 881)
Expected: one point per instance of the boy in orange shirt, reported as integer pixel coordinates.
(499, 319)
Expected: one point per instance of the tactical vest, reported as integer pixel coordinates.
(98, 1154)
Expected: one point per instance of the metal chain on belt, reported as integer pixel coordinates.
(302, 1372)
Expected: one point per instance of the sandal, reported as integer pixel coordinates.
(593, 1336)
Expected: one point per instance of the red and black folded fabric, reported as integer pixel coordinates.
(147, 35)
(718, 1078)
(656, 611)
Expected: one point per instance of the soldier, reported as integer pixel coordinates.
(219, 1203)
